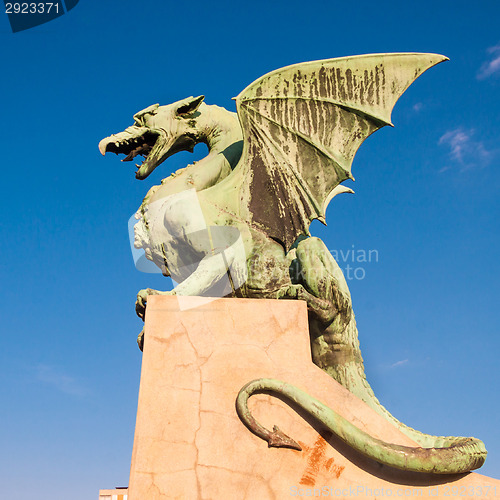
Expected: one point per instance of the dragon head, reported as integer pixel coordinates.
(157, 133)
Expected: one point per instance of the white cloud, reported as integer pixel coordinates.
(399, 363)
(417, 107)
(492, 66)
(61, 381)
(444, 169)
(464, 149)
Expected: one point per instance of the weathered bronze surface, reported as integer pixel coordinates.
(236, 223)
(452, 456)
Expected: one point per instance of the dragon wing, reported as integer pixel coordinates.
(302, 126)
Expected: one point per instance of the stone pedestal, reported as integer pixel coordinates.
(190, 444)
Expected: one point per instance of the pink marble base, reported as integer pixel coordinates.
(189, 442)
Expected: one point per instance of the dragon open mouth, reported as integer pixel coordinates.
(137, 141)
(135, 146)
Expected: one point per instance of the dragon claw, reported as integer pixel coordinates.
(140, 340)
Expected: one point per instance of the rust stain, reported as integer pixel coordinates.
(313, 461)
(318, 462)
(331, 467)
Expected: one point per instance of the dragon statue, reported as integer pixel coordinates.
(236, 223)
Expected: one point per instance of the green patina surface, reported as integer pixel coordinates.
(454, 455)
(236, 223)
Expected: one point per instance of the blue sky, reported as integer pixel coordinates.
(426, 201)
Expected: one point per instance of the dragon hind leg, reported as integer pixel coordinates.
(334, 339)
(334, 344)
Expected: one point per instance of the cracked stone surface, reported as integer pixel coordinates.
(189, 442)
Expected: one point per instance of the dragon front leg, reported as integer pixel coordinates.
(210, 271)
(142, 299)
(140, 308)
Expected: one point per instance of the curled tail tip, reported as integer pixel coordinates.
(278, 439)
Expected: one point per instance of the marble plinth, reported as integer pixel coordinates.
(190, 444)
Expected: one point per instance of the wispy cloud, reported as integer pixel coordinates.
(399, 363)
(59, 380)
(417, 107)
(492, 66)
(464, 149)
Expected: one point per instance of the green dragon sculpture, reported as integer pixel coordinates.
(236, 223)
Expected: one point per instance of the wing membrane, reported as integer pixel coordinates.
(302, 126)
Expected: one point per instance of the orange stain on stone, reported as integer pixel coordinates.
(317, 461)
